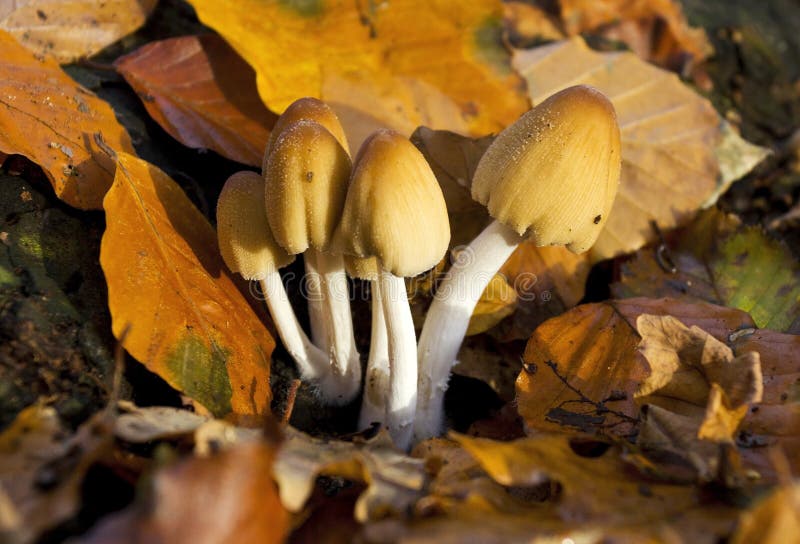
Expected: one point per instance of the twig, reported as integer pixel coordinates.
(290, 400)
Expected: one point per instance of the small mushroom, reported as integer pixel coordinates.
(306, 177)
(395, 212)
(248, 248)
(551, 177)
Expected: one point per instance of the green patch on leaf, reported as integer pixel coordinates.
(489, 48)
(304, 8)
(717, 260)
(202, 373)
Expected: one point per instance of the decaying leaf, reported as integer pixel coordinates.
(671, 138)
(51, 120)
(201, 92)
(773, 520)
(229, 497)
(656, 30)
(67, 30)
(718, 260)
(188, 321)
(582, 369)
(42, 468)
(399, 64)
(394, 480)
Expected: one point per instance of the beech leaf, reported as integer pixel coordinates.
(51, 120)
(166, 280)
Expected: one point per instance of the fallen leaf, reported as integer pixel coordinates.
(773, 520)
(42, 468)
(68, 30)
(202, 93)
(528, 24)
(498, 301)
(718, 260)
(656, 30)
(497, 365)
(226, 498)
(394, 480)
(51, 120)
(671, 138)
(401, 64)
(188, 321)
(581, 369)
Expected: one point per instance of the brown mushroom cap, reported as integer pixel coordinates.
(395, 210)
(309, 109)
(552, 176)
(306, 176)
(245, 241)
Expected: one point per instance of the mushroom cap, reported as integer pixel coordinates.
(552, 176)
(310, 109)
(245, 241)
(395, 210)
(306, 178)
(362, 268)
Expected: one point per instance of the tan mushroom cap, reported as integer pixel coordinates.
(245, 240)
(306, 179)
(552, 176)
(395, 210)
(362, 268)
(306, 109)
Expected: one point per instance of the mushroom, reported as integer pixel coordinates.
(395, 212)
(309, 108)
(551, 177)
(306, 177)
(248, 248)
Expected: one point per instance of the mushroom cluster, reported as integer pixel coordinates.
(551, 177)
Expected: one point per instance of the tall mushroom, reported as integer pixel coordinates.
(310, 109)
(395, 212)
(248, 248)
(306, 177)
(551, 177)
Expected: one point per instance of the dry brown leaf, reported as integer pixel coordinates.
(676, 153)
(42, 468)
(202, 93)
(528, 24)
(227, 498)
(394, 480)
(67, 30)
(188, 321)
(51, 120)
(399, 64)
(656, 30)
(582, 369)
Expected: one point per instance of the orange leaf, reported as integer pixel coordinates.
(227, 498)
(51, 120)
(189, 323)
(582, 368)
(67, 30)
(498, 301)
(398, 64)
(202, 93)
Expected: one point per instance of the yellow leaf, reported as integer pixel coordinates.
(398, 64)
(497, 302)
(189, 322)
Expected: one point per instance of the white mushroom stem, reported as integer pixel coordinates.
(346, 362)
(312, 362)
(448, 318)
(316, 310)
(376, 382)
(401, 401)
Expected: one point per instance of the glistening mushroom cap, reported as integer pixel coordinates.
(245, 241)
(395, 210)
(309, 109)
(306, 176)
(552, 176)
